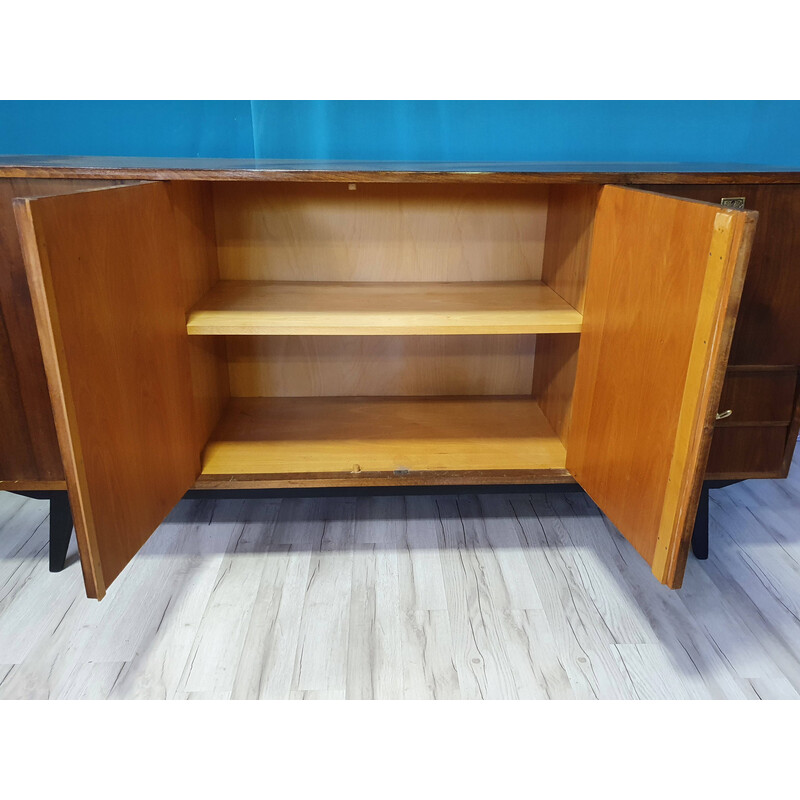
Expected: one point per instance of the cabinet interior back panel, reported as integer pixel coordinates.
(380, 232)
(315, 366)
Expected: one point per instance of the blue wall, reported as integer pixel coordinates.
(734, 131)
(127, 128)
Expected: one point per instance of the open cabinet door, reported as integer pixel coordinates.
(665, 278)
(112, 272)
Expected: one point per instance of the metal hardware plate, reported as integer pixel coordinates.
(732, 202)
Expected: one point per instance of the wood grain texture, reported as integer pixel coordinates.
(28, 443)
(246, 308)
(767, 329)
(794, 433)
(314, 366)
(341, 436)
(653, 352)
(105, 275)
(748, 452)
(554, 379)
(33, 486)
(16, 448)
(465, 479)
(565, 268)
(199, 272)
(722, 289)
(568, 240)
(758, 397)
(768, 325)
(307, 171)
(540, 590)
(328, 232)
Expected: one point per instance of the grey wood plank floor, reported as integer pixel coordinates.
(513, 596)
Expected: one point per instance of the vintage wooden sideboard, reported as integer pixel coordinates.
(174, 325)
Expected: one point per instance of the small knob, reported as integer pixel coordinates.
(724, 414)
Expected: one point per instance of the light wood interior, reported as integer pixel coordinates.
(392, 327)
(380, 232)
(431, 233)
(380, 331)
(245, 308)
(381, 435)
(315, 366)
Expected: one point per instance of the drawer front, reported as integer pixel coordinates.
(758, 397)
(747, 452)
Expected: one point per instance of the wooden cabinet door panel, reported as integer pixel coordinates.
(768, 323)
(664, 283)
(29, 454)
(108, 277)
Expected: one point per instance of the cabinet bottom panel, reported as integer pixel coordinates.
(339, 441)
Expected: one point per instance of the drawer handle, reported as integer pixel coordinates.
(724, 414)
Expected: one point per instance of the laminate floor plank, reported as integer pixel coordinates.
(719, 619)
(479, 653)
(19, 519)
(779, 647)
(538, 669)
(218, 695)
(91, 681)
(585, 643)
(596, 563)
(654, 675)
(418, 560)
(428, 668)
(321, 658)
(267, 663)
(528, 596)
(497, 545)
(204, 529)
(318, 695)
(121, 629)
(33, 608)
(11, 505)
(374, 640)
(214, 658)
(693, 653)
(24, 539)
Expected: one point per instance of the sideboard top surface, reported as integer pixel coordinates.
(389, 171)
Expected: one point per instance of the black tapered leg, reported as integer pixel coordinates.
(700, 534)
(60, 530)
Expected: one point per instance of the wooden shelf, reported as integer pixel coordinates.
(341, 436)
(373, 309)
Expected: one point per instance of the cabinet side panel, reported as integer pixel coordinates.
(554, 379)
(197, 249)
(568, 243)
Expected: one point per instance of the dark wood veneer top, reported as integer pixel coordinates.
(389, 171)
